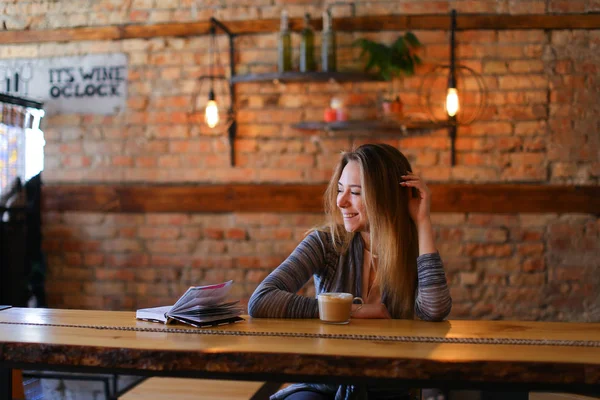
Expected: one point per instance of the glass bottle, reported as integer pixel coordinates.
(307, 46)
(284, 56)
(328, 57)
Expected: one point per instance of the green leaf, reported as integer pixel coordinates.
(412, 39)
(400, 45)
(395, 60)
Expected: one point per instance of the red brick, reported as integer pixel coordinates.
(167, 219)
(577, 274)
(179, 246)
(530, 249)
(256, 276)
(451, 234)
(470, 173)
(248, 262)
(214, 233)
(490, 128)
(61, 231)
(448, 219)
(534, 144)
(127, 260)
(127, 232)
(122, 161)
(93, 259)
(114, 275)
(236, 234)
(122, 245)
(488, 250)
(495, 67)
(530, 279)
(563, 6)
(147, 232)
(271, 234)
(440, 143)
(77, 274)
(211, 262)
(265, 219)
(534, 264)
(104, 288)
(497, 235)
(281, 175)
(529, 7)
(469, 278)
(73, 259)
(81, 245)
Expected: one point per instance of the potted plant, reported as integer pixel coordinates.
(397, 60)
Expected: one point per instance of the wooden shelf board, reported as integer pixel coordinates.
(318, 76)
(370, 126)
(218, 198)
(365, 23)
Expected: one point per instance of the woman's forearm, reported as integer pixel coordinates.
(426, 238)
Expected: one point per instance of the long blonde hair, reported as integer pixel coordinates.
(392, 233)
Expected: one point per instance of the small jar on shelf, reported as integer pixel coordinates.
(392, 108)
(336, 111)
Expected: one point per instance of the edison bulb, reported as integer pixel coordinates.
(452, 105)
(211, 114)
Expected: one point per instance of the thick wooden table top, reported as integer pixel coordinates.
(546, 353)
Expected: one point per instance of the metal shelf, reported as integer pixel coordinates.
(368, 127)
(294, 76)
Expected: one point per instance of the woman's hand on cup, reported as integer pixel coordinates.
(370, 311)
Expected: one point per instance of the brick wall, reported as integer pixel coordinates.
(541, 127)
(511, 266)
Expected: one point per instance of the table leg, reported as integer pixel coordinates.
(5, 383)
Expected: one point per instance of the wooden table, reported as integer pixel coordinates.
(507, 355)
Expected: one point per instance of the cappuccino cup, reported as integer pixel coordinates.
(336, 308)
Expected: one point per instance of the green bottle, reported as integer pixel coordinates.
(307, 46)
(284, 61)
(328, 58)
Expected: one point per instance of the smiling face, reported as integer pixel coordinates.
(350, 200)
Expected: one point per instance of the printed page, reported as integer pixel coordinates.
(202, 296)
(154, 314)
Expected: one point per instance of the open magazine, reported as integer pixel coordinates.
(200, 306)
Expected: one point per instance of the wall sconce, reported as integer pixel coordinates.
(461, 105)
(216, 79)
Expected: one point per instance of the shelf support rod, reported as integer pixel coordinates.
(232, 130)
(452, 129)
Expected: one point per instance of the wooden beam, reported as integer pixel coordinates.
(347, 24)
(485, 198)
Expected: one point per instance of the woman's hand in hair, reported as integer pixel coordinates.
(370, 311)
(419, 205)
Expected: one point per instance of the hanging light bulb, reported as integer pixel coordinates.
(452, 104)
(211, 113)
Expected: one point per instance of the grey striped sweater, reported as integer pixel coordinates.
(316, 257)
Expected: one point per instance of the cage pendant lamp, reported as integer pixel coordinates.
(464, 98)
(216, 87)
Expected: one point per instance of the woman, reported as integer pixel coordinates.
(377, 244)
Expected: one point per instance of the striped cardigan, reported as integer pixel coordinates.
(316, 257)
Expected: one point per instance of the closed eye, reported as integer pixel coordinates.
(354, 193)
